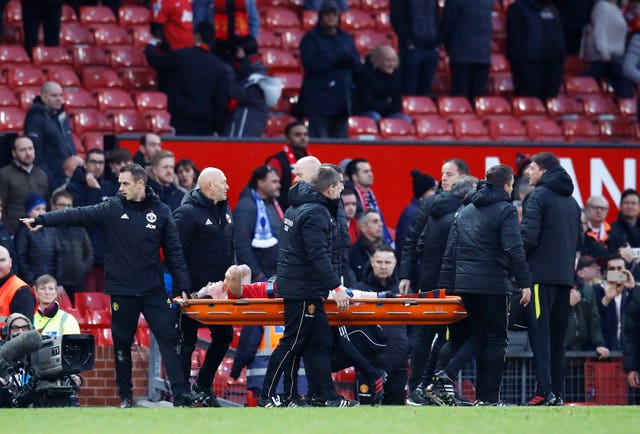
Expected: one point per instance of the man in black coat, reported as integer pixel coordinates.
(552, 234)
(136, 226)
(631, 347)
(308, 268)
(487, 246)
(198, 85)
(205, 227)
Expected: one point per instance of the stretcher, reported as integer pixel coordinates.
(384, 311)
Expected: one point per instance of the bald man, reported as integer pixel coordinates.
(47, 125)
(204, 224)
(305, 168)
(16, 296)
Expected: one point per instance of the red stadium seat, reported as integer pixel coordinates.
(628, 107)
(391, 128)
(13, 13)
(68, 14)
(65, 76)
(276, 125)
(492, 106)
(528, 107)
(141, 35)
(383, 21)
(159, 122)
(24, 75)
(470, 129)
(26, 95)
(96, 15)
(500, 84)
(93, 141)
(581, 86)
(290, 39)
(309, 20)
(276, 17)
(91, 120)
(52, 56)
(434, 127)
(454, 106)
(130, 15)
(291, 82)
(574, 65)
(80, 150)
(506, 129)
(564, 107)
(127, 57)
(7, 97)
(99, 78)
(78, 316)
(269, 39)
(107, 35)
(79, 98)
(598, 106)
(354, 4)
(618, 129)
(356, 19)
(363, 128)
(86, 301)
(64, 302)
(114, 99)
(75, 34)
(103, 336)
(580, 130)
(546, 130)
(99, 317)
(12, 54)
(374, 5)
(151, 100)
(499, 25)
(418, 105)
(275, 59)
(138, 78)
(129, 122)
(90, 56)
(11, 119)
(366, 40)
(499, 63)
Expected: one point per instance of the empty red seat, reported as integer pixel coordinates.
(7, 97)
(365, 40)
(99, 317)
(618, 129)
(500, 83)
(111, 34)
(574, 65)
(78, 316)
(383, 21)
(150, 101)
(492, 106)
(598, 105)
(392, 128)
(470, 129)
(129, 122)
(374, 5)
(564, 106)
(65, 76)
(10, 54)
(432, 127)
(93, 140)
(138, 78)
(11, 119)
(506, 129)
(276, 17)
(141, 35)
(68, 14)
(159, 122)
(291, 38)
(269, 39)
(356, 19)
(96, 15)
(291, 82)
(24, 75)
(130, 15)
(110, 99)
(13, 13)
(453, 106)
(26, 95)
(528, 107)
(276, 125)
(52, 56)
(580, 130)
(499, 63)
(90, 56)
(64, 301)
(99, 78)
(103, 336)
(88, 301)
(309, 20)
(127, 56)
(546, 130)
(418, 105)
(73, 33)
(362, 128)
(581, 85)
(275, 59)
(628, 107)
(79, 98)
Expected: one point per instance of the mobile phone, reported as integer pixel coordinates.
(635, 252)
(616, 276)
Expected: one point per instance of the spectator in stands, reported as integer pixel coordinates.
(6, 239)
(187, 173)
(360, 177)
(37, 12)
(50, 319)
(466, 31)
(234, 19)
(416, 24)
(627, 227)
(162, 179)
(149, 145)
(69, 167)
(117, 158)
(609, 37)
(378, 86)
(598, 240)
(19, 179)
(38, 253)
(631, 348)
(87, 185)
(198, 85)
(631, 63)
(76, 250)
(584, 331)
(535, 48)
(172, 24)
(423, 186)
(315, 5)
(16, 296)
(370, 239)
(329, 58)
(574, 15)
(297, 137)
(47, 126)
(249, 111)
(350, 204)
(258, 223)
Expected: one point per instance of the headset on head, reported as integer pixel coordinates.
(10, 319)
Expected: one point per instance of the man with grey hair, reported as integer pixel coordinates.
(597, 240)
(47, 126)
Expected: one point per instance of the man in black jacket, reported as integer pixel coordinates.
(552, 234)
(631, 347)
(487, 248)
(205, 227)
(308, 268)
(136, 226)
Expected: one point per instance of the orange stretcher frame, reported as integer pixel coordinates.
(384, 311)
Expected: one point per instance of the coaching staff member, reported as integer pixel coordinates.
(552, 234)
(136, 226)
(308, 268)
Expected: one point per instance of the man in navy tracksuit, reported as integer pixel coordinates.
(136, 226)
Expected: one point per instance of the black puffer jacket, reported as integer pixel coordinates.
(551, 228)
(206, 233)
(631, 333)
(410, 253)
(488, 244)
(38, 253)
(310, 258)
(134, 232)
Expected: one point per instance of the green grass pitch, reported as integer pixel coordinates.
(362, 420)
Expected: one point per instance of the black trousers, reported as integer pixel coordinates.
(457, 335)
(47, 13)
(548, 315)
(187, 126)
(469, 80)
(306, 333)
(329, 127)
(221, 337)
(125, 311)
(424, 352)
(540, 79)
(488, 342)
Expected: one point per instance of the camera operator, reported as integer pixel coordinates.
(15, 325)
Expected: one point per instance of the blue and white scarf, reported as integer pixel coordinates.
(262, 236)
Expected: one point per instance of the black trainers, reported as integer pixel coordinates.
(443, 388)
(314, 400)
(128, 402)
(548, 399)
(417, 397)
(341, 402)
(297, 401)
(559, 400)
(377, 388)
(205, 396)
(272, 401)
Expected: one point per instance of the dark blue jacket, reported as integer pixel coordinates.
(631, 334)
(609, 316)
(377, 91)
(134, 232)
(206, 235)
(171, 195)
(534, 32)
(310, 257)
(415, 22)
(485, 237)
(551, 228)
(466, 29)
(38, 253)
